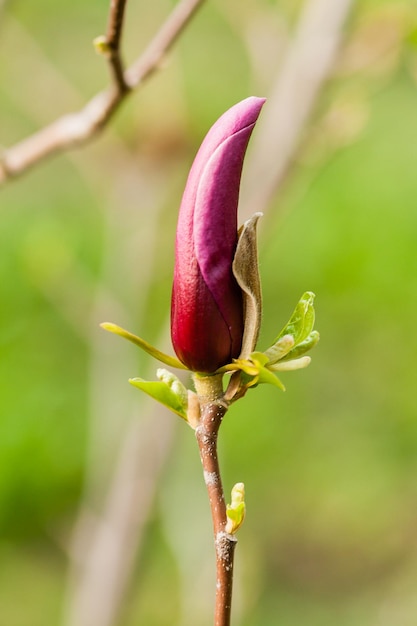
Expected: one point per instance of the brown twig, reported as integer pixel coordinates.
(213, 409)
(77, 128)
(112, 42)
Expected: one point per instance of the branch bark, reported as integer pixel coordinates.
(77, 128)
(213, 409)
(112, 43)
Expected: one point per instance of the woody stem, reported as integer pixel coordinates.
(213, 408)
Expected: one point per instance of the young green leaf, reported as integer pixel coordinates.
(290, 366)
(281, 348)
(303, 347)
(301, 322)
(171, 361)
(165, 394)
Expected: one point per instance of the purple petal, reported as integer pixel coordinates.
(207, 310)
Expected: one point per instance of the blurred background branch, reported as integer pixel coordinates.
(73, 129)
(109, 44)
(308, 61)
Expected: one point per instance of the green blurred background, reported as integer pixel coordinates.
(330, 467)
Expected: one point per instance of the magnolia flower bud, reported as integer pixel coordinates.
(207, 308)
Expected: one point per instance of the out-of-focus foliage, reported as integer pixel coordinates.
(330, 467)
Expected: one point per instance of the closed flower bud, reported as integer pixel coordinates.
(207, 307)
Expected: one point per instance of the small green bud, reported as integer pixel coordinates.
(174, 383)
(168, 390)
(289, 366)
(303, 347)
(280, 349)
(236, 510)
(101, 45)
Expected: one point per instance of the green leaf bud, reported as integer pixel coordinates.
(236, 510)
(170, 394)
(301, 322)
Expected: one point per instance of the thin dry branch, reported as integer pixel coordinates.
(110, 45)
(212, 414)
(77, 128)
